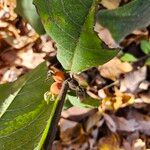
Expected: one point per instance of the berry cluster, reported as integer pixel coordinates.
(59, 77)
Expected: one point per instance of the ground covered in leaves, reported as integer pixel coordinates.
(121, 86)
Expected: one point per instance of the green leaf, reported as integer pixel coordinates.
(128, 57)
(67, 104)
(91, 102)
(25, 116)
(27, 10)
(145, 46)
(147, 62)
(71, 24)
(86, 103)
(123, 20)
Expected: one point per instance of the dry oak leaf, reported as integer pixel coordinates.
(145, 97)
(132, 80)
(138, 145)
(111, 142)
(114, 68)
(116, 101)
(125, 125)
(105, 35)
(70, 130)
(92, 121)
(142, 120)
(18, 42)
(77, 114)
(110, 123)
(29, 59)
(134, 122)
(122, 99)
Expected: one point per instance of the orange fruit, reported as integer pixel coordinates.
(59, 76)
(55, 88)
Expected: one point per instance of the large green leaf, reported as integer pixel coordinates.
(27, 10)
(71, 24)
(25, 116)
(125, 19)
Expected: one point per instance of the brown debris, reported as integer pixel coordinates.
(114, 68)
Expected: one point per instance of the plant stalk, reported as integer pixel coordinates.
(53, 129)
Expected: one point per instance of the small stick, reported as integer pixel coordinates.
(110, 85)
(53, 129)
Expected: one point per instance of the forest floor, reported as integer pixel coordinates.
(121, 122)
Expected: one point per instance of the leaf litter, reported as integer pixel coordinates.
(17, 44)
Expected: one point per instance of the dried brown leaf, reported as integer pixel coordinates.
(69, 130)
(111, 142)
(77, 114)
(92, 121)
(110, 123)
(114, 68)
(110, 4)
(133, 79)
(126, 125)
(105, 35)
(145, 97)
(116, 101)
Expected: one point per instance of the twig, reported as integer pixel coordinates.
(120, 54)
(53, 129)
(110, 85)
(142, 58)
